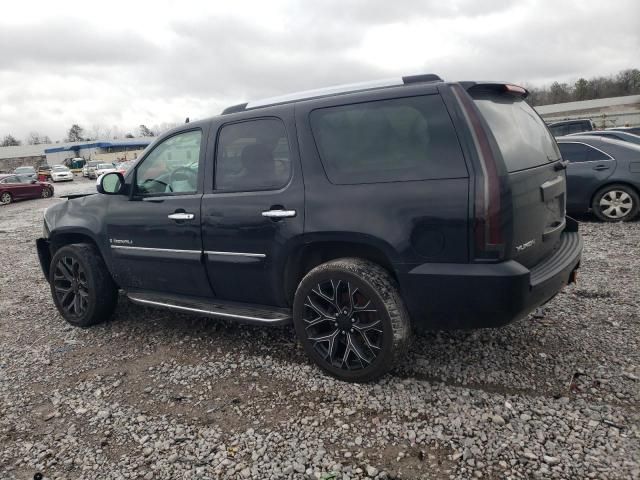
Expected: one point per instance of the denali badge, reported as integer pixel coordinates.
(117, 241)
(525, 245)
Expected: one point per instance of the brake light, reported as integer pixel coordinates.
(488, 219)
(515, 89)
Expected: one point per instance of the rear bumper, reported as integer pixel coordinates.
(451, 296)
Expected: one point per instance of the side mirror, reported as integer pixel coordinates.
(33, 180)
(110, 183)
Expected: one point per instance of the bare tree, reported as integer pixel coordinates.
(75, 133)
(145, 132)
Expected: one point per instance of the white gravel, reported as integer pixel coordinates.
(155, 395)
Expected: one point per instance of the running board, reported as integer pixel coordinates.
(241, 312)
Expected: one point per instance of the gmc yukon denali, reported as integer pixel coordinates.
(357, 213)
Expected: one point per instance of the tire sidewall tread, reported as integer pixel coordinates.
(595, 205)
(379, 281)
(103, 292)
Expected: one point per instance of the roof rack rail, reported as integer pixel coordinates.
(335, 90)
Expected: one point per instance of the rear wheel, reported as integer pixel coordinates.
(350, 318)
(5, 198)
(616, 203)
(82, 288)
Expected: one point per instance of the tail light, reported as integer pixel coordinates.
(489, 242)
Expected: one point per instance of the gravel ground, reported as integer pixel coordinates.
(156, 395)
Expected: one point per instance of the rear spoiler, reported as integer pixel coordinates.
(495, 87)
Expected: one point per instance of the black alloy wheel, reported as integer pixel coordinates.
(343, 325)
(70, 286)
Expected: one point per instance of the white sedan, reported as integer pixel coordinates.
(60, 173)
(103, 168)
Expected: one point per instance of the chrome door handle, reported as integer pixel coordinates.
(181, 216)
(279, 213)
(601, 167)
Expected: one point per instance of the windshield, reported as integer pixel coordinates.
(24, 170)
(102, 166)
(60, 167)
(522, 136)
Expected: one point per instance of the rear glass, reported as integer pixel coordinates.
(403, 139)
(521, 134)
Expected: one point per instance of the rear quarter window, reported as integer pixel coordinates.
(402, 139)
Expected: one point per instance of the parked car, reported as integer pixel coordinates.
(603, 176)
(123, 167)
(634, 130)
(26, 171)
(88, 169)
(423, 204)
(566, 127)
(60, 173)
(103, 168)
(614, 134)
(44, 172)
(20, 187)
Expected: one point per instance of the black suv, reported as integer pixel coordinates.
(356, 212)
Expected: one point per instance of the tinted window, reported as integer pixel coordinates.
(252, 155)
(579, 152)
(521, 134)
(11, 180)
(389, 140)
(559, 130)
(171, 167)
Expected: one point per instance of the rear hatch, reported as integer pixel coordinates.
(537, 183)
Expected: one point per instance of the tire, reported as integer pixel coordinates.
(6, 198)
(353, 310)
(616, 203)
(81, 286)
(46, 193)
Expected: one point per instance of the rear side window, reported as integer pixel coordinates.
(252, 155)
(521, 134)
(402, 139)
(579, 152)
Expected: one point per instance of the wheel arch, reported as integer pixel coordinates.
(309, 255)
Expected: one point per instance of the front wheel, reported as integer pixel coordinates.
(350, 318)
(46, 192)
(616, 203)
(83, 291)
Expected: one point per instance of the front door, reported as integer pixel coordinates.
(154, 234)
(588, 168)
(254, 210)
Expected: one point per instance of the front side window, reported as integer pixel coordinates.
(171, 167)
(402, 139)
(10, 180)
(252, 155)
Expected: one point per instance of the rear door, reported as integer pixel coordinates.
(536, 184)
(588, 168)
(253, 208)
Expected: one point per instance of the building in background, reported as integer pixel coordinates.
(107, 151)
(56, 153)
(605, 112)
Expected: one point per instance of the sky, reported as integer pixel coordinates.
(111, 66)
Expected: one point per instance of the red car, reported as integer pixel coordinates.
(19, 187)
